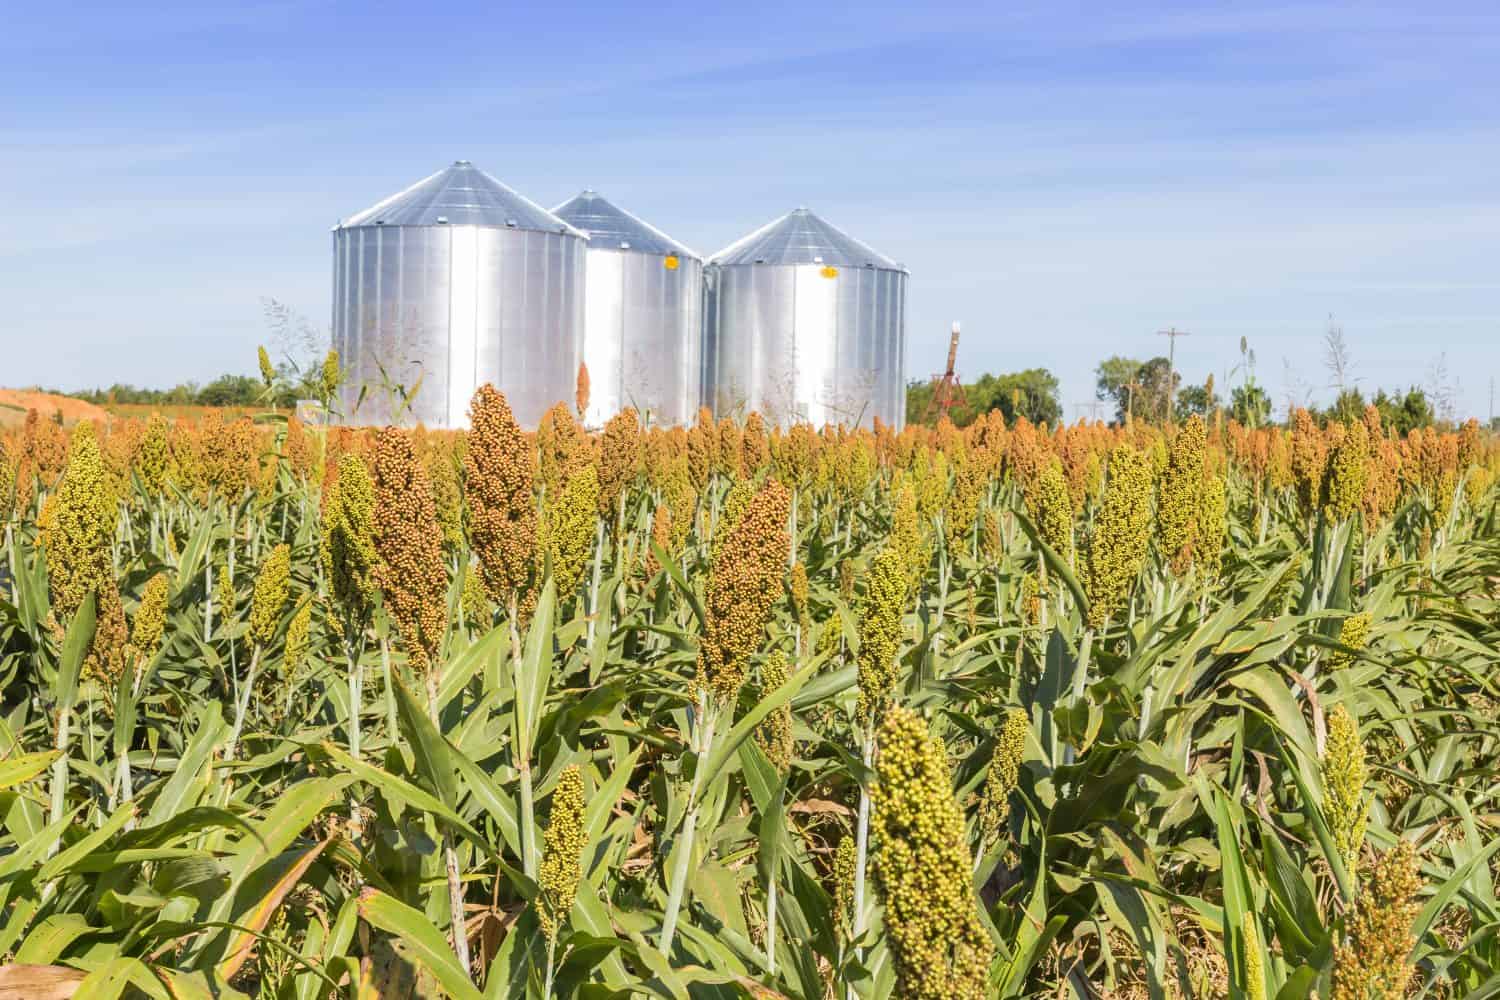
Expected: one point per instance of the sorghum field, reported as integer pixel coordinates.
(1191, 711)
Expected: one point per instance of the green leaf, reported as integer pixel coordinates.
(425, 943)
(25, 767)
(1055, 562)
(75, 645)
(730, 745)
(428, 747)
(534, 673)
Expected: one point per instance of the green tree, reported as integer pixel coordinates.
(1405, 413)
(1113, 378)
(1348, 407)
(1250, 405)
(1196, 399)
(1033, 394)
(230, 390)
(1146, 387)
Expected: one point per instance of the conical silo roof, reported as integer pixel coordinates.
(800, 237)
(460, 195)
(610, 227)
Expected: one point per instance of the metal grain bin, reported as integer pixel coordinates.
(642, 315)
(452, 283)
(805, 323)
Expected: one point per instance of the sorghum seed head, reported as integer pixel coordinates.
(1309, 460)
(562, 849)
(1344, 800)
(1373, 963)
(296, 640)
(411, 572)
(619, 459)
(150, 622)
(923, 868)
(1179, 495)
(1344, 487)
(348, 543)
(1050, 506)
(270, 595)
(774, 735)
(1213, 525)
(1005, 772)
(880, 634)
(498, 488)
(1116, 546)
(1354, 632)
(568, 528)
(742, 586)
(267, 370)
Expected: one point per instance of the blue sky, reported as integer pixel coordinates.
(1065, 178)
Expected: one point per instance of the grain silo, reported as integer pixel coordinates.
(642, 315)
(805, 323)
(452, 283)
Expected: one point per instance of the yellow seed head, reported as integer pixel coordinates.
(796, 456)
(1050, 506)
(153, 459)
(270, 595)
(797, 591)
(227, 598)
(150, 621)
(78, 527)
(907, 538)
(447, 492)
(348, 543)
(962, 507)
(1344, 487)
(1255, 968)
(1354, 633)
(1374, 963)
(568, 529)
(1344, 800)
(474, 601)
(331, 376)
(775, 734)
(880, 634)
(1213, 525)
(1179, 495)
(296, 640)
(562, 849)
(1116, 547)
(267, 370)
(845, 860)
(1004, 773)
(923, 868)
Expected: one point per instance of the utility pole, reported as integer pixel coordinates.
(1130, 388)
(1171, 334)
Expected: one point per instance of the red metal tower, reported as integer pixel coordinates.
(947, 390)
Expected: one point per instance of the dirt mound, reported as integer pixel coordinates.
(15, 402)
